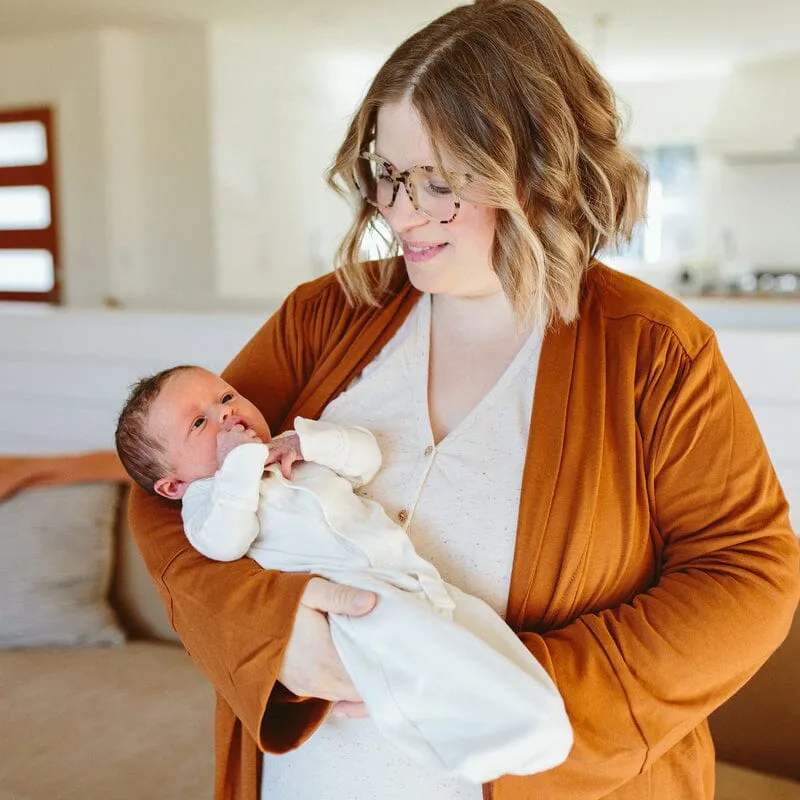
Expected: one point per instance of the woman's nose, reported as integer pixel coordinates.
(402, 216)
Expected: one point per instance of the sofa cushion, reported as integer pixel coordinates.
(759, 727)
(126, 723)
(739, 783)
(56, 553)
(134, 595)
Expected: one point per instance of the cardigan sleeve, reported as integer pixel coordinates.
(640, 677)
(235, 618)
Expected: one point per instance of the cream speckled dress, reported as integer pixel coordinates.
(459, 502)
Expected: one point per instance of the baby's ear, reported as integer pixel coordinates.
(171, 488)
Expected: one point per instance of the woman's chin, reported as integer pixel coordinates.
(426, 278)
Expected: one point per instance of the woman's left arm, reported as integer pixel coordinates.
(638, 678)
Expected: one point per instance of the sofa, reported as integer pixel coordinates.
(113, 708)
(99, 700)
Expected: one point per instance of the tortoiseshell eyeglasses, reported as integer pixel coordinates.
(431, 193)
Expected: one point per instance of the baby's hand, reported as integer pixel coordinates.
(285, 450)
(236, 435)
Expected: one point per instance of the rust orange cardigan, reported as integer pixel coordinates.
(654, 572)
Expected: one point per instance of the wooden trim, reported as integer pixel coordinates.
(41, 239)
(39, 175)
(55, 248)
(31, 297)
(41, 114)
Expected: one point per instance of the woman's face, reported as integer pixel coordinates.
(450, 259)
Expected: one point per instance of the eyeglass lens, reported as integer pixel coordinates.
(430, 191)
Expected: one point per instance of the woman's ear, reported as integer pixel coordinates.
(171, 488)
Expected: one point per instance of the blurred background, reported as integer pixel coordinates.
(168, 154)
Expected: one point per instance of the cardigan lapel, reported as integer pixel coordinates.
(546, 442)
(368, 334)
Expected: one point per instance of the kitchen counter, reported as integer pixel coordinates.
(747, 311)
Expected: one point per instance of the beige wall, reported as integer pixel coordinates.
(63, 71)
(280, 108)
(157, 175)
(133, 153)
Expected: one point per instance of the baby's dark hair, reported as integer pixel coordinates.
(142, 455)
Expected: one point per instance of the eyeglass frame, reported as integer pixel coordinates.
(398, 178)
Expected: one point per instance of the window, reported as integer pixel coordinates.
(669, 234)
(28, 231)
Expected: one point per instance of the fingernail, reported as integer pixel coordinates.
(363, 602)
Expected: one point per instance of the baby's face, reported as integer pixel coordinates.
(193, 407)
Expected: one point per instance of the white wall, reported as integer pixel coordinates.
(760, 110)
(760, 205)
(63, 71)
(669, 111)
(157, 146)
(280, 107)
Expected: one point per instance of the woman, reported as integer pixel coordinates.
(625, 517)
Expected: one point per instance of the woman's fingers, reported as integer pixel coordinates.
(334, 598)
(346, 708)
(311, 666)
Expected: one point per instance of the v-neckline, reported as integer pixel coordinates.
(422, 379)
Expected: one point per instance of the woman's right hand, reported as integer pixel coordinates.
(311, 666)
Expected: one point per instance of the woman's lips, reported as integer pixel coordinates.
(417, 252)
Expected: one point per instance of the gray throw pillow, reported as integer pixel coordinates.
(56, 557)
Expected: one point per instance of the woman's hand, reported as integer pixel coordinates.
(311, 666)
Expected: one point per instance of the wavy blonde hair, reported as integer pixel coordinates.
(501, 87)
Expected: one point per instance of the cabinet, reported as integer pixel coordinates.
(758, 115)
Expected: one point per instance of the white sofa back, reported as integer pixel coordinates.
(66, 373)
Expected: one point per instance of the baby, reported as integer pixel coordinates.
(441, 674)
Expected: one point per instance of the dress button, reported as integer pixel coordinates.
(402, 515)
(428, 450)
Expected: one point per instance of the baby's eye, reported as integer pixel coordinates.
(198, 423)
(227, 397)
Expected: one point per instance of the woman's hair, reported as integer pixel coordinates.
(141, 453)
(501, 87)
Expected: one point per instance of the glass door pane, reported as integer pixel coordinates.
(26, 271)
(22, 144)
(24, 208)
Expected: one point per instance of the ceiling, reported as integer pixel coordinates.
(641, 37)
